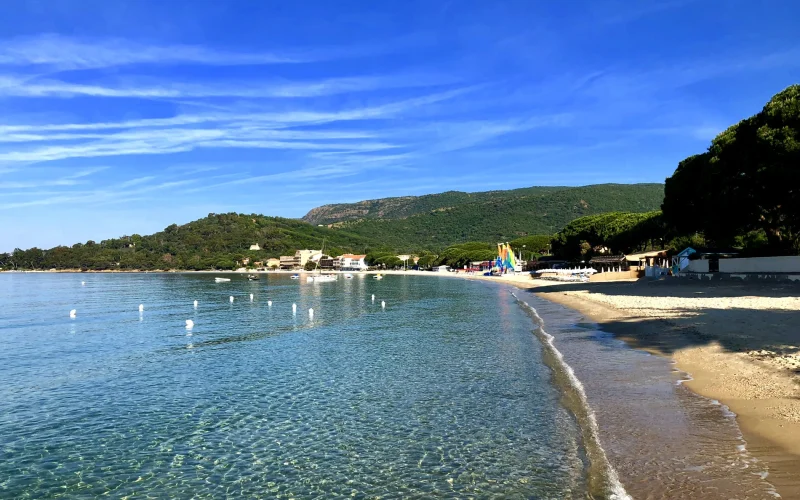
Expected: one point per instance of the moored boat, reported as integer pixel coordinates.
(220, 280)
(322, 278)
(295, 276)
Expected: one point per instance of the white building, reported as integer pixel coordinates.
(255, 247)
(350, 262)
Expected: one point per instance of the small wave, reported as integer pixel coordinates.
(615, 488)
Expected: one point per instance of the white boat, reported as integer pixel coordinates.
(377, 277)
(348, 276)
(322, 278)
(220, 280)
(295, 276)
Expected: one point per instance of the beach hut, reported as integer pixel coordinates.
(681, 260)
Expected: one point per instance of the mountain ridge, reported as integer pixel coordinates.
(438, 220)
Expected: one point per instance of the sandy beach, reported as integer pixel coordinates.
(738, 341)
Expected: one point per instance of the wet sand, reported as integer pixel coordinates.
(740, 343)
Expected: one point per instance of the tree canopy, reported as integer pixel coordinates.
(747, 184)
(219, 241)
(620, 232)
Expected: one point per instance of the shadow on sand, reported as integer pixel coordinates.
(700, 322)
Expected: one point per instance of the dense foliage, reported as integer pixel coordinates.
(219, 241)
(386, 259)
(537, 244)
(464, 254)
(505, 218)
(222, 241)
(406, 206)
(745, 190)
(619, 232)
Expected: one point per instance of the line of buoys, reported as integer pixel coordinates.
(251, 297)
(141, 307)
(231, 299)
(294, 308)
(269, 303)
(72, 313)
(189, 324)
(195, 304)
(311, 313)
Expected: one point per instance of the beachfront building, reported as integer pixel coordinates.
(299, 259)
(350, 262)
(648, 259)
(273, 262)
(609, 263)
(681, 260)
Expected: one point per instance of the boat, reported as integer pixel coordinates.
(321, 278)
(295, 276)
(348, 276)
(252, 277)
(378, 277)
(221, 280)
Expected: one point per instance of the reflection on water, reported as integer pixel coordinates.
(442, 394)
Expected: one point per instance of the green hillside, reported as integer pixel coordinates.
(214, 242)
(406, 206)
(498, 215)
(220, 241)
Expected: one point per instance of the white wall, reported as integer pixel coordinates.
(697, 266)
(759, 265)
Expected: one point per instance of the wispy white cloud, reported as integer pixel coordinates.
(74, 53)
(278, 119)
(71, 53)
(27, 86)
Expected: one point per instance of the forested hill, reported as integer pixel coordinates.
(221, 241)
(218, 241)
(490, 216)
(406, 206)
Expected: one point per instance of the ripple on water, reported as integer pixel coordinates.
(443, 394)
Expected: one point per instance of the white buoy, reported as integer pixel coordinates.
(269, 303)
(251, 297)
(141, 307)
(195, 304)
(294, 308)
(189, 324)
(383, 304)
(311, 313)
(373, 298)
(83, 283)
(72, 313)
(231, 299)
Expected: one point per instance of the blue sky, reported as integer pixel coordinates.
(124, 117)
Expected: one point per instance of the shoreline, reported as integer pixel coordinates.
(737, 342)
(716, 353)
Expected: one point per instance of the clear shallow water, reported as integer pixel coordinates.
(442, 394)
(662, 440)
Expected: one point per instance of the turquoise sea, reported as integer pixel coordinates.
(455, 389)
